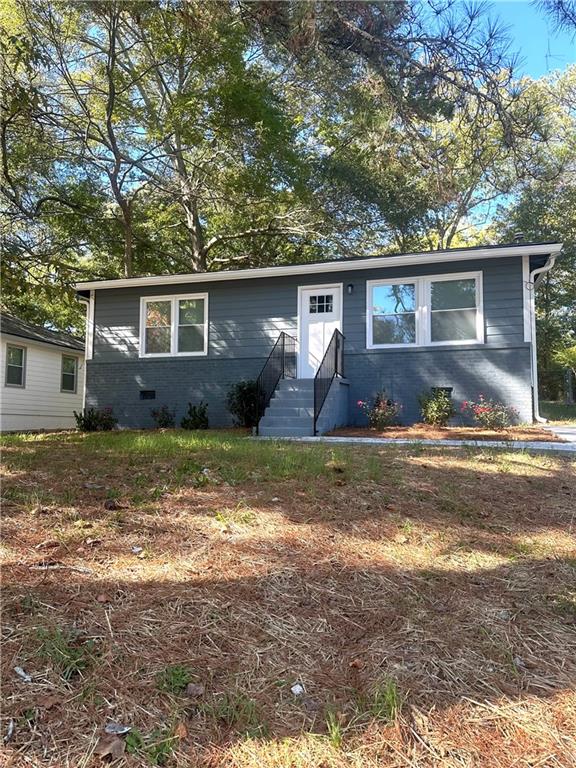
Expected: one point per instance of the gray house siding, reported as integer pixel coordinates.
(246, 316)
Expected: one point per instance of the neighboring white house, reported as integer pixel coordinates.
(42, 377)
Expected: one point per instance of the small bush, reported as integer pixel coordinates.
(164, 417)
(242, 402)
(93, 420)
(490, 414)
(436, 408)
(383, 412)
(196, 417)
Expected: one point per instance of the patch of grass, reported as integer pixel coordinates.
(334, 728)
(558, 411)
(174, 678)
(235, 710)
(69, 654)
(241, 514)
(384, 703)
(155, 749)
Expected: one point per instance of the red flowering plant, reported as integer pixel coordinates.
(489, 413)
(382, 412)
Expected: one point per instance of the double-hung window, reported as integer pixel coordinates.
(174, 325)
(15, 366)
(422, 311)
(69, 374)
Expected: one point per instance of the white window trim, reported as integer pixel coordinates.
(173, 299)
(423, 310)
(24, 365)
(77, 367)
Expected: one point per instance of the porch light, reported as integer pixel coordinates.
(350, 289)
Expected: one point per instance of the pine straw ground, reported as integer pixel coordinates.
(424, 600)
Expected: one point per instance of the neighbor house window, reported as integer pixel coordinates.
(15, 366)
(69, 373)
(440, 309)
(174, 325)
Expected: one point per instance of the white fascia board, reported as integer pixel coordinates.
(327, 266)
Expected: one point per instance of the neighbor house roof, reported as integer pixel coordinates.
(15, 327)
(340, 265)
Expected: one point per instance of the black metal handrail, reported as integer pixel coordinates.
(332, 365)
(281, 364)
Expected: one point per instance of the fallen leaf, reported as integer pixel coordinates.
(48, 701)
(47, 544)
(93, 542)
(195, 690)
(9, 731)
(181, 731)
(22, 674)
(110, 744)
(297, 689)
(136, 550)
(112, 504)
(117, 729)
(103, 598)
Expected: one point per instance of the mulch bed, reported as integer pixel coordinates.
(427, 432)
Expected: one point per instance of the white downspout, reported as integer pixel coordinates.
(88, 338)
(535, 278)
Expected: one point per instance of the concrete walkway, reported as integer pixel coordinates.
(563, 431)
(510, 445)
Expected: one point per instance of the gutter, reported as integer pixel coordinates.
(535, 279)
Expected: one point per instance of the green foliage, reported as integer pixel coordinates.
(566, 358)
(174, 678)
(164, 418)
(242, 401)
(436, 407)
(69, 653)
(196, 417)
(334, 728)
(383, 412)
(490, 413)
(93, 420)
(384, 703)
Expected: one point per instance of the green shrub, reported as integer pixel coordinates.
(383, 412)
(93, 420)
(196, 417)
(242, 402)
(490, 414)
(436, 407)
(164, 417)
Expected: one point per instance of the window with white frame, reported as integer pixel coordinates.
(69, 373)
(15, 366)
(439, 309)
(174, 325)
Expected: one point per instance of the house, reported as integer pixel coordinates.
(43, 377)
(320, 336)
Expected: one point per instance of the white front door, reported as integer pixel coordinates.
(320, 314)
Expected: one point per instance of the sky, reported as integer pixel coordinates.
(541, 49)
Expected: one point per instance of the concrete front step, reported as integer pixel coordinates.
(273, 420)
(285, 431)
(291, 410)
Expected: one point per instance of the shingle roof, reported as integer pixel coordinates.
(16, 327)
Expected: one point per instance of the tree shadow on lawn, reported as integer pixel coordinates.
(441, 635)
(407, 566)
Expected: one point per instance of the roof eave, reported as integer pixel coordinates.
(328, 266)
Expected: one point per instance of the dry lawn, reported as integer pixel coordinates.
(182, 584)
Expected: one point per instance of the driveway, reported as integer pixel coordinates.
(563, 431)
